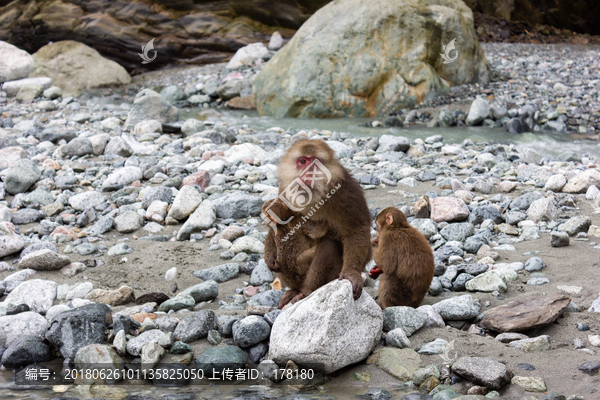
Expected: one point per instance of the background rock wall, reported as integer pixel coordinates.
(200, 32)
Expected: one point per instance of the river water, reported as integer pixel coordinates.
(543, 142)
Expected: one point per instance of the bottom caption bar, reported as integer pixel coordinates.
(162, 375)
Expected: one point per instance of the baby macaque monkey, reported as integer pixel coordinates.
(404, 258)
(290, 247)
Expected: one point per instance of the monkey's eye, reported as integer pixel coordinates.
(302, 161)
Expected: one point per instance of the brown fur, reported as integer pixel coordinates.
(406, 259)
(290, 250)
(344, 212)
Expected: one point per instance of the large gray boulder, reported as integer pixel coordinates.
(15, 63)
(150, 105)
(380, 57)
(75, 67)
(328, 328)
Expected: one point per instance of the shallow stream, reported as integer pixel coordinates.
(543, 142)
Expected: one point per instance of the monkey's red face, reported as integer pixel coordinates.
(303, 164)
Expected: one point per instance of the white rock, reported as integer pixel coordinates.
(86, 199)
(340, 149)
(555, 183)
(434, 319)
(480, 110)
(10, 242)
(594, 340)
(581, 182)
(147, 126)
(329, 327)
(12, 87)
(157, 207)
(38, 294)
(186, 201)
(214, 166)
(171, 274)
(123, 176)
(15, 63)
(246, 55)
(235, 154)
(276, 41)
(203, 218)
(80, 291)
(542, 210)
(592, 192)
(248, 245)
(25, 323)
(20, 275)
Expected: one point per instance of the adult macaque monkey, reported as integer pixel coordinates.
(313, 183)
(404, 257)
(290, 249)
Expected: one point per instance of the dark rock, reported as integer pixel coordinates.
(526, 367)
(271, 316)
(559, 239)
(583, 327)
(256, 352)
(27, 216)
(125, 323)
(523, 202)
(159, 193)
(73, 329)
(444, 252)
(225, 324)
(250, 331)
(157, 298)
(195, 326)
(17, 309)
(417, 396)
(515, 125)
(24, 351)
(376, 394)
(590, 367)
(268, 298)
(473, 269)
(219, 358)
(481, 213)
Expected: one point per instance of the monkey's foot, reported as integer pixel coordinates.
(356, 284)
(299, 297)
(286, 298)
(375, 272)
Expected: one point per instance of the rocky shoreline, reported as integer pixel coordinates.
(140, 235)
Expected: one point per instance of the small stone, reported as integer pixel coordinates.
(397, 338)
(529, 383)
(540, 343)
(483, 371)
(559, 239)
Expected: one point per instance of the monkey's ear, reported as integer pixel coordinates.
(389, 218)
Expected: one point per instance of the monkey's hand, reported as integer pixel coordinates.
(356, 283)
(375, 272)
(299, 297)
(286, 298)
